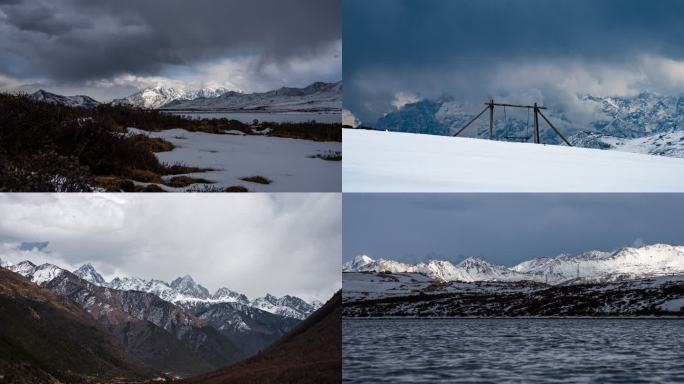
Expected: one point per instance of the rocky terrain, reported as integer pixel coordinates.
(176, 328)
(630, 281)
(310, 353)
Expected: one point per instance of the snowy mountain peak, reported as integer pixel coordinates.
(71, 101)
(287, 305)
(227, 295)
(358, 262)
(187, 286)
(40, 274)
(627, 262)
(156, 97)
(315, 97)
(88, 273)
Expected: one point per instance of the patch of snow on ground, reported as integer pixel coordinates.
(404, 162)
(674, 305)
(284, 161)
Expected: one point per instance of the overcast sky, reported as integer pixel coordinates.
(251, 243)
(112, 48)
(505, 228)
(524, 50)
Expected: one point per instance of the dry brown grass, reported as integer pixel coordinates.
(184, 181)
(236, 188)
(146, 176)
(113, 184)
(257, 179)
(153, 144)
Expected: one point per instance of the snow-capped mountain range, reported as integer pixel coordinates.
(183, 291)
(652, 121)
(592, 266)
(318, 96)
(71, 101)
(157, 97)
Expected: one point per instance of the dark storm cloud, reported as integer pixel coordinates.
(505, 228)
(460, 47)
(73, 40)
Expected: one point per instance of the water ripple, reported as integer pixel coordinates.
(513, 351)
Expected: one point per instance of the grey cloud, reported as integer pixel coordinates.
(74, 40)
(280, 244)
(505, 228)
(477, 49)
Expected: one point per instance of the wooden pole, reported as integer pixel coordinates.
(491, 119)
(536, 124)
(471, 121)
(555, 130)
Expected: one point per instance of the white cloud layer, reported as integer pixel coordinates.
(255, 244)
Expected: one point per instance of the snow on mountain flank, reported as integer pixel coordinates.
(183, 291)
(187, 286)
(318, 96)
(88, 273)
(71, 101)
(156, 97)
(287, 305)
(40, 274)
(403, 162)
(592, 266)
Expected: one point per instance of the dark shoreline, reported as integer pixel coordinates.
(517, 318)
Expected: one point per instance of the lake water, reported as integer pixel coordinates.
(275, 117)
(513, 351)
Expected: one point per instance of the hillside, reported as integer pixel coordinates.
(402, 162)
(310, 353)
(44, 338)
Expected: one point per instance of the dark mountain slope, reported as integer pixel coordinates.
(249, 328)
(159, 333)
(310, 353)
(46, 338)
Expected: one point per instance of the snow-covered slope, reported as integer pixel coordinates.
(364, 263)
(592, 266)
(39, 274)
(71, 101)
(289, 306)
(315, 97)
(661, 144)
(186, 286)
(645, 261)
(623, 117)
(156, 97)
(183, 291)
(402, 162)
(88, 273)
(470, 269)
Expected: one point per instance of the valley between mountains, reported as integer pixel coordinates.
(631, 281)
(130, 329)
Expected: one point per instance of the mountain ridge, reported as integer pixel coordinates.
(614, 122)
(184, 290)
(620, 264)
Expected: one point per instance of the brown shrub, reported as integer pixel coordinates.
(184, 181)
(257, 179)
(236, 188)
